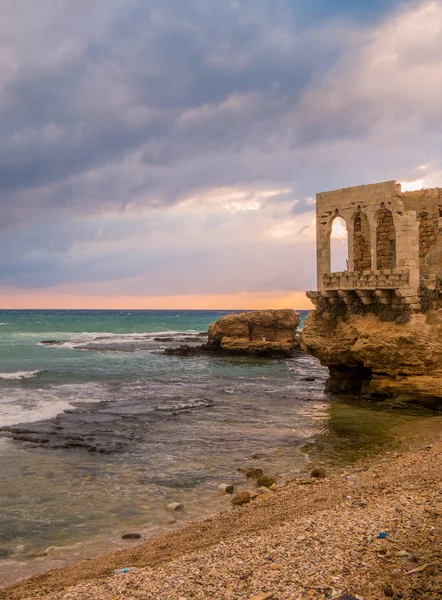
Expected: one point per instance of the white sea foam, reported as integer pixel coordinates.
(76, 340)
(11, 414)
(20, 375)
(28, 406)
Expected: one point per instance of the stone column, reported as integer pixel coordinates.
(407, 243)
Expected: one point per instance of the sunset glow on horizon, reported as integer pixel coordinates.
(241, 301)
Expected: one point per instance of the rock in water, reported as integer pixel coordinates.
(226, 488)
(175, 506)
(379, 359)
(254, 473)
(266, 481)
(131, 536)
(258, 333)
(241, 498)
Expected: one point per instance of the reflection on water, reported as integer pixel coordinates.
(354, 429)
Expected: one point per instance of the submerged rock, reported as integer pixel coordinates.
(174, 506)
(266, 481)
(131, 536)
(254, 473)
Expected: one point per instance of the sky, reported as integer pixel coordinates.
(167, 153)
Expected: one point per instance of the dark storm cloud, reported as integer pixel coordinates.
(121, 104)
(60, 117)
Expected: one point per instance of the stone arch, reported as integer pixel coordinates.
(385, 239)
(361, 242)
(338, 243)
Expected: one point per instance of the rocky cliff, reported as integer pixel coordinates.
(382, 360)
(259, 333)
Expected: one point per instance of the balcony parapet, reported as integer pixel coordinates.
(369, 280)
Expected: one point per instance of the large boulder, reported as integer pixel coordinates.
(381, 359)
(257, 333)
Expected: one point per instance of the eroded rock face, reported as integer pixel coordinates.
(402, 363)
(260, 333)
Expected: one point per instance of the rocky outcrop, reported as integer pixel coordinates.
(258, 333)
(381, 360)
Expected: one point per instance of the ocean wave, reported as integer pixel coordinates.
(20, 375)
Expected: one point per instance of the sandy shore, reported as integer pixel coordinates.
(304, 541)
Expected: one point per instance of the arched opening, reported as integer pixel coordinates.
(361, 243)
(339, 245)
(385, 240)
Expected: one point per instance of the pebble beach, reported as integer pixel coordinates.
(367, 532)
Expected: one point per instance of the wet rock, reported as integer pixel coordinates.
(226, 488)
(254, 473)
(241, 498)
(184, 350)
(318, 473)
(274, 487)
(263, 490)
(51, 342)
(173, 506)
(131, 536)
(266, 481)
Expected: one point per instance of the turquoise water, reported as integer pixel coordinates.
(101, 429)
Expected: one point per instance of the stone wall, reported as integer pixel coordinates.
(385, 240)
(361, 245)
(428, 206)
(381, 233)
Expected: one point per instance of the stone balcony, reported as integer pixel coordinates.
(382, 279)
(383, 286)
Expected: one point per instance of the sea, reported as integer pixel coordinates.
(100, 430)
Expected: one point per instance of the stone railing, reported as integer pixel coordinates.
(368, 280)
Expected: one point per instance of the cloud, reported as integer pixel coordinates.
(180, 144)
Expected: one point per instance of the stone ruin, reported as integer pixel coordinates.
(394, 245)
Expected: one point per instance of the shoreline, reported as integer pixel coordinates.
(314, 523)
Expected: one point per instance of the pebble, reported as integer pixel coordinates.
(175, 506)
(318, 474)
(388, 591)
(226, 488)
(241, 498)
(131, 536)
(262, 497)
